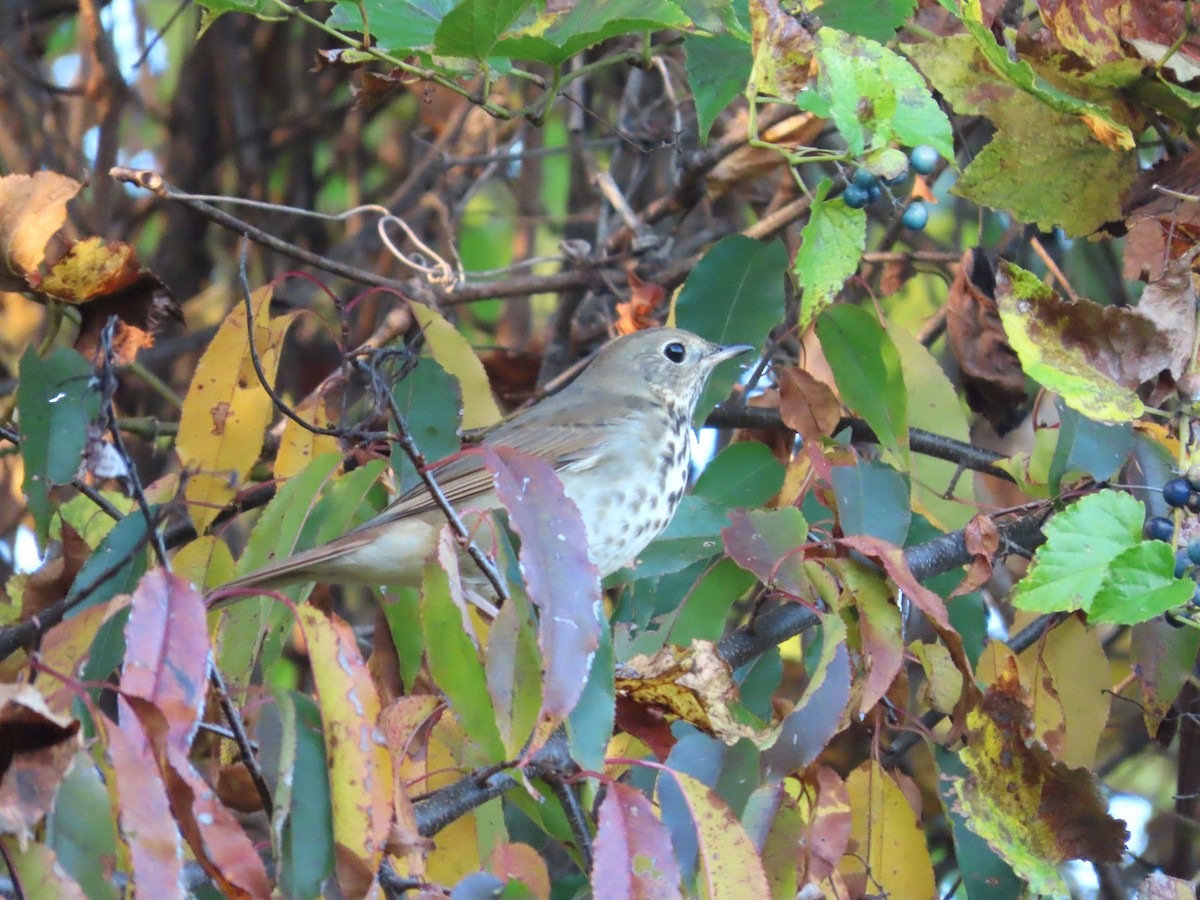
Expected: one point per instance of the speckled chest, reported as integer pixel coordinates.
(628, 500)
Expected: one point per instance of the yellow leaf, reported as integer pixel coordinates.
(730, 866)
(206, 562)
(360, 768)
(226, 411)
(298, 446)
(455, 355)
(887, 846)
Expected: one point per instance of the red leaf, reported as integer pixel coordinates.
(561, 580)
(633, 858)
(143, 811)
(216, 838)
(167, 652)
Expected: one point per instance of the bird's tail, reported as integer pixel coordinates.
(309, 565)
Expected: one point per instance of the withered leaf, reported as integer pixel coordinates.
(991, 372)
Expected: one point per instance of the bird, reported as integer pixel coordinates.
(618, 437)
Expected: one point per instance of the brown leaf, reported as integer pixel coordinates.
(37, 749)
(1015, 788)
(783, 49)
(982, 540)
(32, 209)
(107, 280)
(1170, 303)
(642, 309)
(747, 163)
(1162, 226)
(829, 829)
(991, 372)
(235, 788)
(808, 406)
(51, 581)
(219, 843)
(1158, 886)
(894, 275)
(521, 863)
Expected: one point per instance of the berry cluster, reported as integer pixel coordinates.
(1180, 493)
(866, 188)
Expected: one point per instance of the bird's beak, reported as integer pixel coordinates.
(729, 351)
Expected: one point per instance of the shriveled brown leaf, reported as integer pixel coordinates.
(695, 685)
(1162, 226)
(895, 274)
(1025, 804)
(982, 540)
(1170, 303)
(644, 308)
(783, 49)
(747, 163)
(808, 406)
(991, 372)
(32, 209)
(39, 746)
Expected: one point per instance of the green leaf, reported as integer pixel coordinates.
(513, 672)
(473, 27)
(874, 19)
(872, 499)
(590, 725)
(454, 663)
(394, 24)
(694, 534)
(1139, 585)
(733, 296)
(401, 607)
(1093, 356)
(705, 609)
(126, 541)
(866, 368)
(831, 247)
(301, 827)
(431, 403)
(742, 475)
(1059, 163)
(933, 405)
(717, 69)
(81, 831)
(1092, 447)
(876, 96)
(1094, 559)
(55, 403)
(556, 36)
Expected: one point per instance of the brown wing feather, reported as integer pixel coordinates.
(465, 477)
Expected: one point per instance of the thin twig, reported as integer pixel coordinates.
(403, 437)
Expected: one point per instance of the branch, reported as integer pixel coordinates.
(942, 554)
(924, 442)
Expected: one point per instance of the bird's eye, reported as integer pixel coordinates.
(675, 352)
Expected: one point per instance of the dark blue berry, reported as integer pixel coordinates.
(924, 159)
(874, 192)
(1177, 491)
(1182, 563)
(916, 216)
(897, 180)
(1193, 551)
(1193, 502)
(865, 179)
(856, 197)
(1159, 528)
(1174, 620)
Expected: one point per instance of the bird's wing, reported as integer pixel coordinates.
(464, 477)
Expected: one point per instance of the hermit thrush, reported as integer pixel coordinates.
(618, 437)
